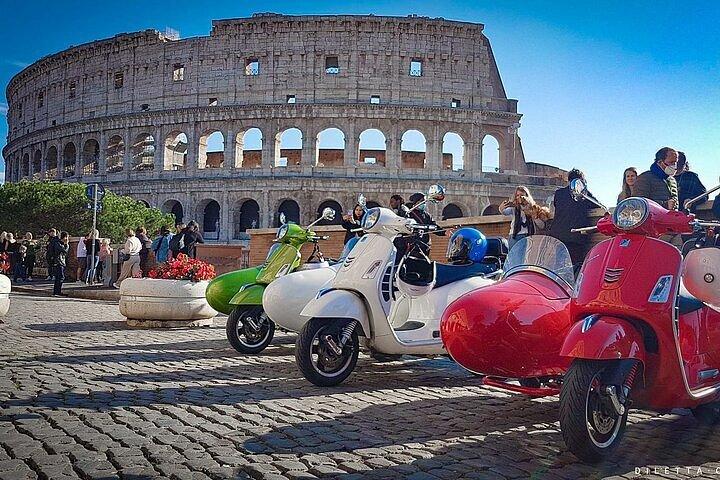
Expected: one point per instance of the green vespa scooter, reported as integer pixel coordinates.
(239, 293)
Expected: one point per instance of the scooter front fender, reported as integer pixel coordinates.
(600, 337)
(249, 295)
(338, 304)
(223, 288)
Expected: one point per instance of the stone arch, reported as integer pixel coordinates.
(248, 148)
(452, 210)
(208, 211)
(142, 153)
(335, 206)
(288, 147)
(69, 160)
(492, 209)
(247, 216)
(413, 149)
(176, 151)
(291, 209)
(211, 149)
(115, 154)
(372, 204)
(490, 153)
(144, 202)
(453, 152)
(176, 208)
(25, 172)
(372, 147)
(37, 164)
(330, 150)
(51, 162)
(90, 157)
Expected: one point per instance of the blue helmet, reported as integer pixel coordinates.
(467, 244)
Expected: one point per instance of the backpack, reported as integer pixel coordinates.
(176, 242)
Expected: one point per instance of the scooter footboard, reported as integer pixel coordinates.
(599, 337)
(338, 304)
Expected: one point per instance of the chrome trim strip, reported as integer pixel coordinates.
(543, 271)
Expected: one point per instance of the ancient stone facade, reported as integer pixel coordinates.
(135, 113)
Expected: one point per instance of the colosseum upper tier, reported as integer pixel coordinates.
(138, 113)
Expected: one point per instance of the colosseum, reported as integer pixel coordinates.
(276, 113)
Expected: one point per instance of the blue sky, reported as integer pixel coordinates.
(602, 85)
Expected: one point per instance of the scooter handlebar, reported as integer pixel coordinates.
(584, 230)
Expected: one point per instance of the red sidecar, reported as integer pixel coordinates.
(515, 328)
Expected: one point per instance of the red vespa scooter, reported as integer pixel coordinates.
(646, 325)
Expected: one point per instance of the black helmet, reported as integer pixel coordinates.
(417, 197)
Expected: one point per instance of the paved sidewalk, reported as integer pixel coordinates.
(71, 289)
(83, 396)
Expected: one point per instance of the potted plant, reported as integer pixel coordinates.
(173, 296)
(4, 284)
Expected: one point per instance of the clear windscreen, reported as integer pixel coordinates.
(542, 251)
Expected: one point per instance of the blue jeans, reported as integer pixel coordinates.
(90, 273)
(19, 271)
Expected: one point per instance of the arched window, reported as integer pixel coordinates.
(176, 148)
(451, 211)
(248, 148)
(247, 216)
(372, 148)
(115, 154)
(338, 212)
(211, 220)
(69, 159)
(211, 151)
(143, 153)
(330, 148)
(90, 157)
(51, 163)
(176, 208)
(25, 166)
(37, 165)
(490, 154)
(413, 149)
(453, 152)
(291, 209)
(288, 148)
(491, 210)
(372, 204)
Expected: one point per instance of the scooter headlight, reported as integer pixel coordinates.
(370, 218)
(630, 213)
(282, 231)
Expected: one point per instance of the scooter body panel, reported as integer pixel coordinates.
(284, 259)
(611, 338)
(223, 288)
(249, 295)
(334, 303)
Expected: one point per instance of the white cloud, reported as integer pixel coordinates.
(3, 109)
(17, 63)
(2, 178)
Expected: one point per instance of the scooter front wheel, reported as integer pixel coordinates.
(249, 330)
(319, 355)
(590, 426)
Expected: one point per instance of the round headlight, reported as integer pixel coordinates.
(282, 231)
(370, 218)
(630, 213)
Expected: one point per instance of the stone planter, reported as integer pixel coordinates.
(149, 302)
(4, 295)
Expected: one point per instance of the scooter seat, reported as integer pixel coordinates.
(446, 273)
(687, 303)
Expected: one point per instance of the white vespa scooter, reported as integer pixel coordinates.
(361, 301)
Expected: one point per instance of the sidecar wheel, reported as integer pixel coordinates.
(316, 360)
(707, 414)
(590, 430)
(242, 336)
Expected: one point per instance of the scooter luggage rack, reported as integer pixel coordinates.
(534, 392)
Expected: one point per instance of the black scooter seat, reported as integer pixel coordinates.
(446, 273)
(687, 303)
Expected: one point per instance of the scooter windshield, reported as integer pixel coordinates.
(540, 251)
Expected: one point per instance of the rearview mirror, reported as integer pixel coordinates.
(283, 220)
(362, 201)
(577, 189)
(328, 213)
(436, 193)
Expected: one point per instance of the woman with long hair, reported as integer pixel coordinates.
(527, 216)
(352, 222)
(629, 178)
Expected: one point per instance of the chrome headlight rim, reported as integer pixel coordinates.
(634, 203)
(370, 218)
(282, 232)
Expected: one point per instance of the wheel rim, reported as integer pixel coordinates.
(602, 426)
(324, 360)
(248, 336)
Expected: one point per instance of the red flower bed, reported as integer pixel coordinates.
(183, 268)
(4, 263)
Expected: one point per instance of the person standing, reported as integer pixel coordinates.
(11, 248)
(92, 247)
(3, 237)
(176, 242)
(145, 245)
(421, 216)
(352, 222)
(19, 271)
(161, 245)
(81, 253)
(629, 179)
(570, 214)
(190, 239)
(658, 184)
(59, 248)
(31, 255)
(49, 260)
(396, 203)
(689, 184)
(525, 213)
(131, 252)
(104, 259)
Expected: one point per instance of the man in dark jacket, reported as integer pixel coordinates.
(570, 214)
(423, 218)
(689, 184)
(59, 248)
(191, 238)
(658, 183)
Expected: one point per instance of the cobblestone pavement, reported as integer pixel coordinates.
(83, 396)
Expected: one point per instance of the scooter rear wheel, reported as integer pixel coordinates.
(317, 361)
(242, 336)
(590, 430)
